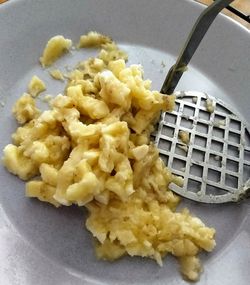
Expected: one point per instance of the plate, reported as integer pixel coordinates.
(43, 245)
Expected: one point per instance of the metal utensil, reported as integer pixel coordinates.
(214, 157)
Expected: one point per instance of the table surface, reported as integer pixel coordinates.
(241, 5)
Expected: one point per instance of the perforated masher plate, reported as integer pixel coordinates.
(215, 164)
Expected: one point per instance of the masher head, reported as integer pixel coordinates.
(207, 143)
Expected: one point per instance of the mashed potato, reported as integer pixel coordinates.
(92, 148)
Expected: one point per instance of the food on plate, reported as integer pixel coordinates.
(54, 49)
(47, 98)
(24, 110)
(56, 74)
(183, 147)
(220, 123)
(92, 148)
(184, 136)
(210, 105)
(36, 86)
(190, 267)
(93, 39)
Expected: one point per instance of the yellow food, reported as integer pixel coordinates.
(93, 39)
(56, 74)
(18, 164)
(54, 49)
(36, 86)
(210, 105)
(184, 136)
(25, 109)
(44, 192)
(190, 267)
(92, 148)
(47, 98)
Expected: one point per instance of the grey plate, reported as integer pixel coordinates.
(42, 245)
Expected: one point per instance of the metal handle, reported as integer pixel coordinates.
(195, 37)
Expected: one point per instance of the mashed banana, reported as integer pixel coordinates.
(25, 109)
(56, 74)
(36, 86)
(54, 49)
(184, 137)
(93, 39)
(92, 148)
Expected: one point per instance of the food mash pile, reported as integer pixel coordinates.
(92, 148)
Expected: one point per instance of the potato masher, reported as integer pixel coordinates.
(204, 140)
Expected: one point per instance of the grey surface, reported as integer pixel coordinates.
(42, 245)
